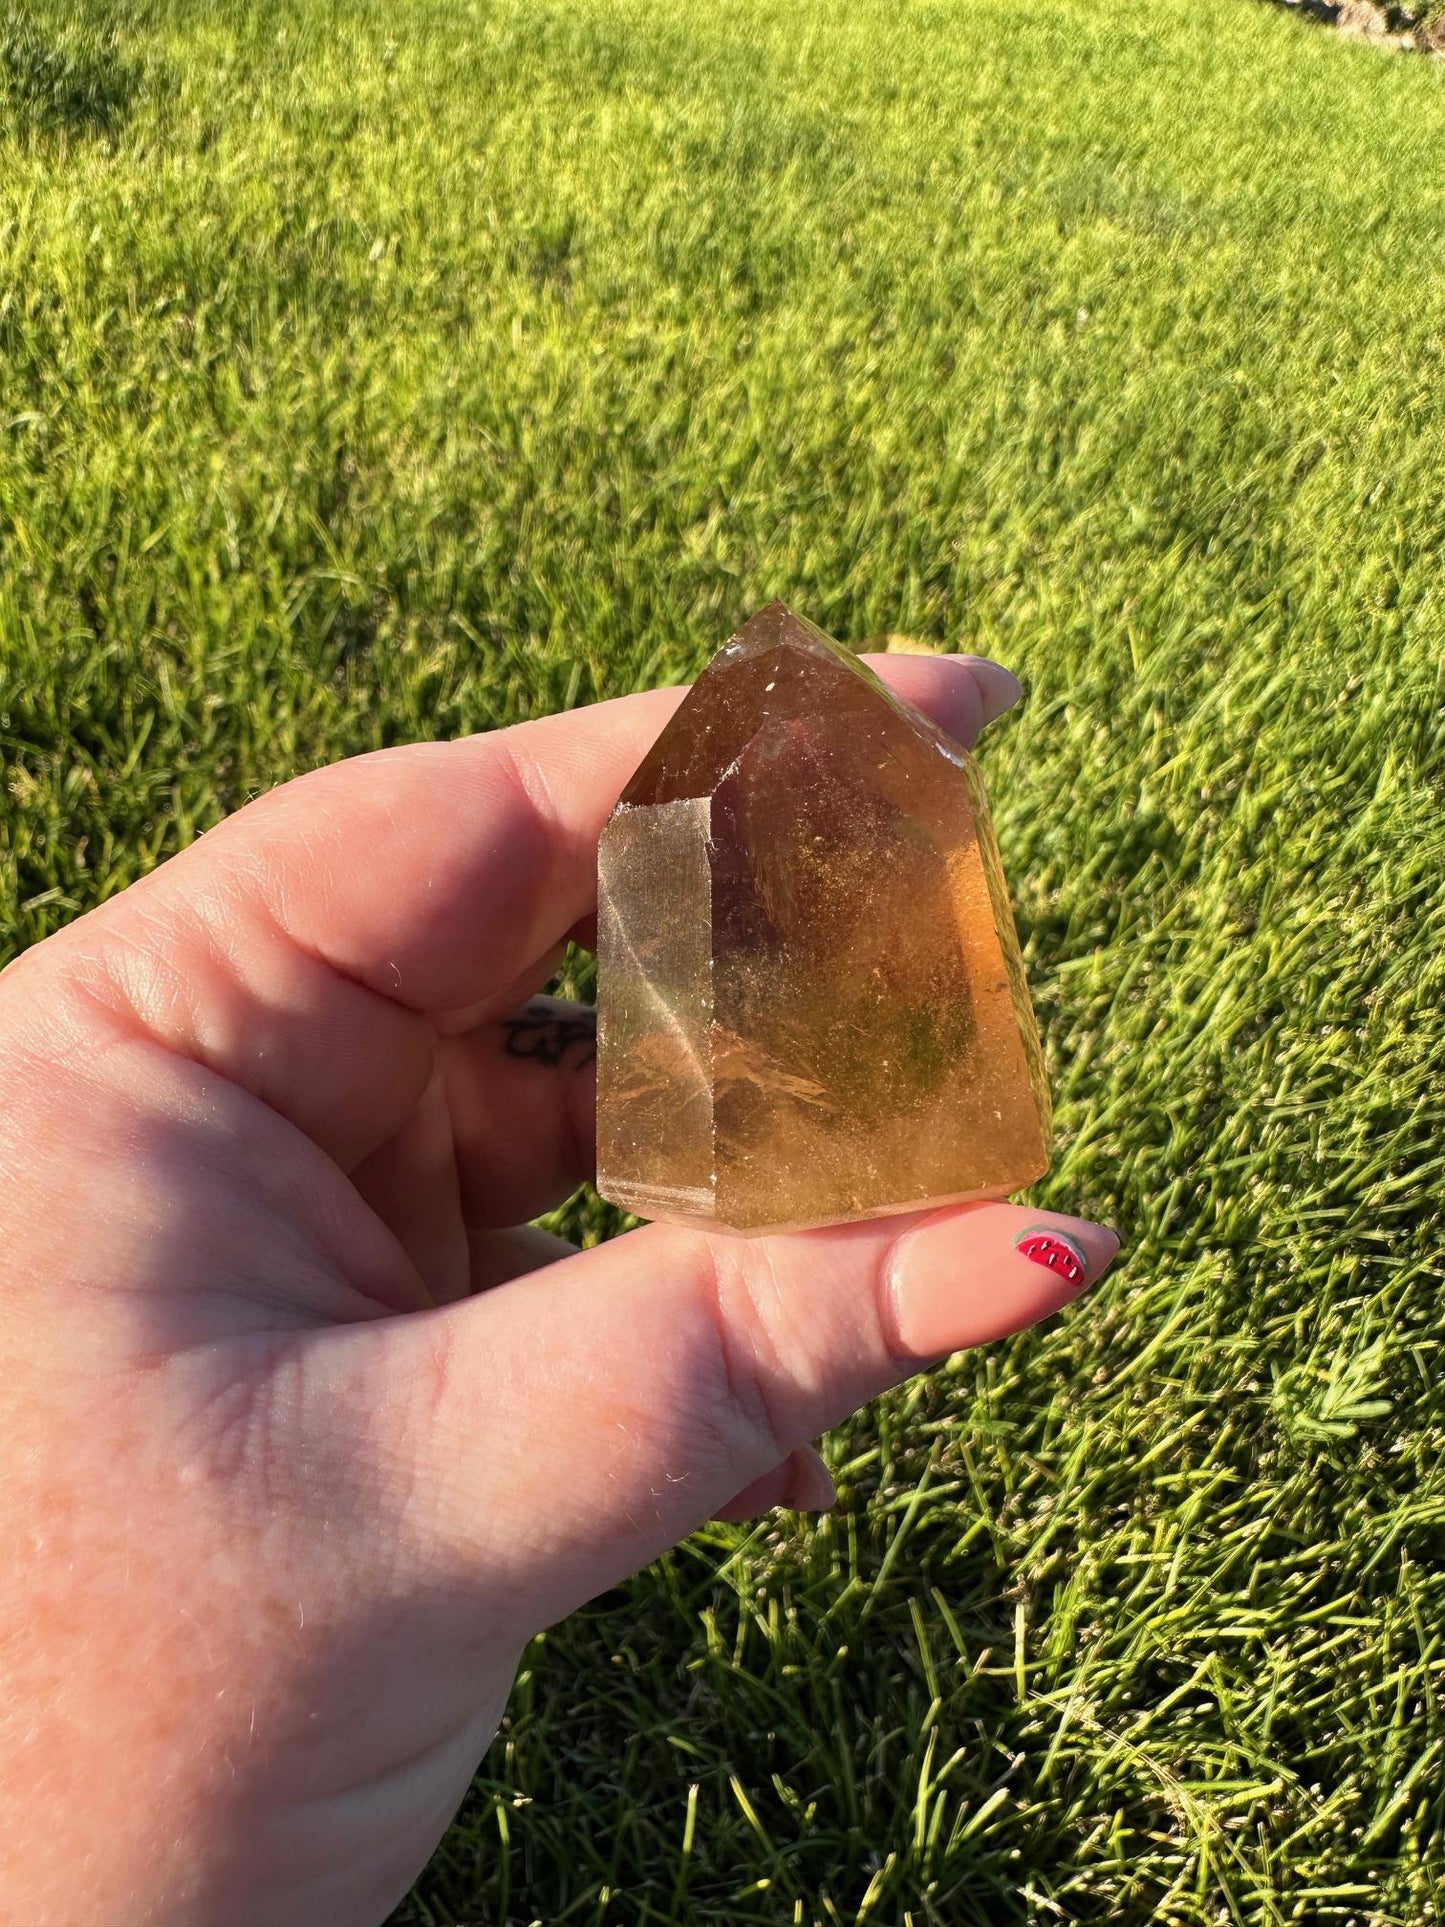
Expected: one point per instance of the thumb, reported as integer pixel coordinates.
(563, 1429)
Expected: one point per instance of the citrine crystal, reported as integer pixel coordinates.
(811, 1004)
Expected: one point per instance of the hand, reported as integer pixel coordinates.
(284, 1496)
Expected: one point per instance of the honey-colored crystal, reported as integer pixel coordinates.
(811, 1004)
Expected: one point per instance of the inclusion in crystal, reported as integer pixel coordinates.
(811, 1003)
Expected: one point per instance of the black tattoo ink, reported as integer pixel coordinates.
(545, 1036)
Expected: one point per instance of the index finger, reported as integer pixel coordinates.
(302, 947)
(436, 873)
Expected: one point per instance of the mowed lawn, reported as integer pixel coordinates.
(372, 372)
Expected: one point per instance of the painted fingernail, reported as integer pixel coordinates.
(1076, 1256)
(974, 1273)
(1056, 1251)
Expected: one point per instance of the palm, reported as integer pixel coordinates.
(265, 1613)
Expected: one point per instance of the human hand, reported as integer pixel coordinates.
(305, 1437)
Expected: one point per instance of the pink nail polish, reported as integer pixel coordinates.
(965, 1276)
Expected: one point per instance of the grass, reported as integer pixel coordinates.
(371, 373)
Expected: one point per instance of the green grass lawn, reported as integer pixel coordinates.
(377, 372)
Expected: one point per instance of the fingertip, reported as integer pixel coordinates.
(811, 1487)
(799, 1483)
(999, 688)
(973, 1273)
(961, 694)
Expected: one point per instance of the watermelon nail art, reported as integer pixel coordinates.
(1053, 1250)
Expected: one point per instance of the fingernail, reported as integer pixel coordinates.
(999, 688)
(1076, 1257)
(974, 1273)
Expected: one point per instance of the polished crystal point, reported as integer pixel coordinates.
(811, 1004)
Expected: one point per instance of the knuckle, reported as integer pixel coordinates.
(744, 1388)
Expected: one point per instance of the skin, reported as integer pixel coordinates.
(306, 1432)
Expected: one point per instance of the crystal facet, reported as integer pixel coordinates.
(811, 1004)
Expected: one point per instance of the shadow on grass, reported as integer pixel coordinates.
(63, 77)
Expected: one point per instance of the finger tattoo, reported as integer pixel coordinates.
(552, 1037)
